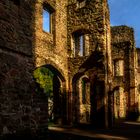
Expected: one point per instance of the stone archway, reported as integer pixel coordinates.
(56, 95)
(81, 99)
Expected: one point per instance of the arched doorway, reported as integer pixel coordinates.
(52, 83)
(81, 99)
(89, 100)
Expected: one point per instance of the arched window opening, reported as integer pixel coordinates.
(84, 100)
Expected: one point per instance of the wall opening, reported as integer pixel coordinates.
(47, 18)
(52, 82)
(80, 45)
(84, 99)
(81, 99)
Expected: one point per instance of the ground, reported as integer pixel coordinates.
(125, 131)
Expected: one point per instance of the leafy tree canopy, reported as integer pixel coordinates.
(44, 77)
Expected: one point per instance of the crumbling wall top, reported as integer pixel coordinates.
(121, 34)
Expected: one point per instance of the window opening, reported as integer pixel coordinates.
(83, 91)
(46, 20)
(80, 45)
(84, 100)
(81, 38)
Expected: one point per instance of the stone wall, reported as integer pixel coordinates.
(91, 18)
(25, 46)
(87, 20)
(138, 79)
(19, 109)
(123, 49)
(51, 48)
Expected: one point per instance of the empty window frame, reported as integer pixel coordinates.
(47, 20)
(80, 45)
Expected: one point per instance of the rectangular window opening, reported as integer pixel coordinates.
(81, 51)
(80, 45)
(46, 20)
(83, 92)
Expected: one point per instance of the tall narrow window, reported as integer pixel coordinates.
(81, 45)
(83, 91)
(84, 99)
(47, 20)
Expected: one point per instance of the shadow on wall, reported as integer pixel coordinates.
(135, 114)
(95, 60)
(20, 108)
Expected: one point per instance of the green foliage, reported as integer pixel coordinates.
(44, 77)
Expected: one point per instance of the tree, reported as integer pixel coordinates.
(44, 77)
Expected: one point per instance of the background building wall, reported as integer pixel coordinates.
(91, 18)
(52, 47)
(123, 49)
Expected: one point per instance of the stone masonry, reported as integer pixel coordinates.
(96, 67)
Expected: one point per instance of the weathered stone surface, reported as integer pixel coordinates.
(24, 46)
(18, 105)
(123, 48)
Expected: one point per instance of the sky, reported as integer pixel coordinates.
(46, 21)
(126, 12)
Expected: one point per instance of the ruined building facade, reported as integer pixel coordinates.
(95, 66)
